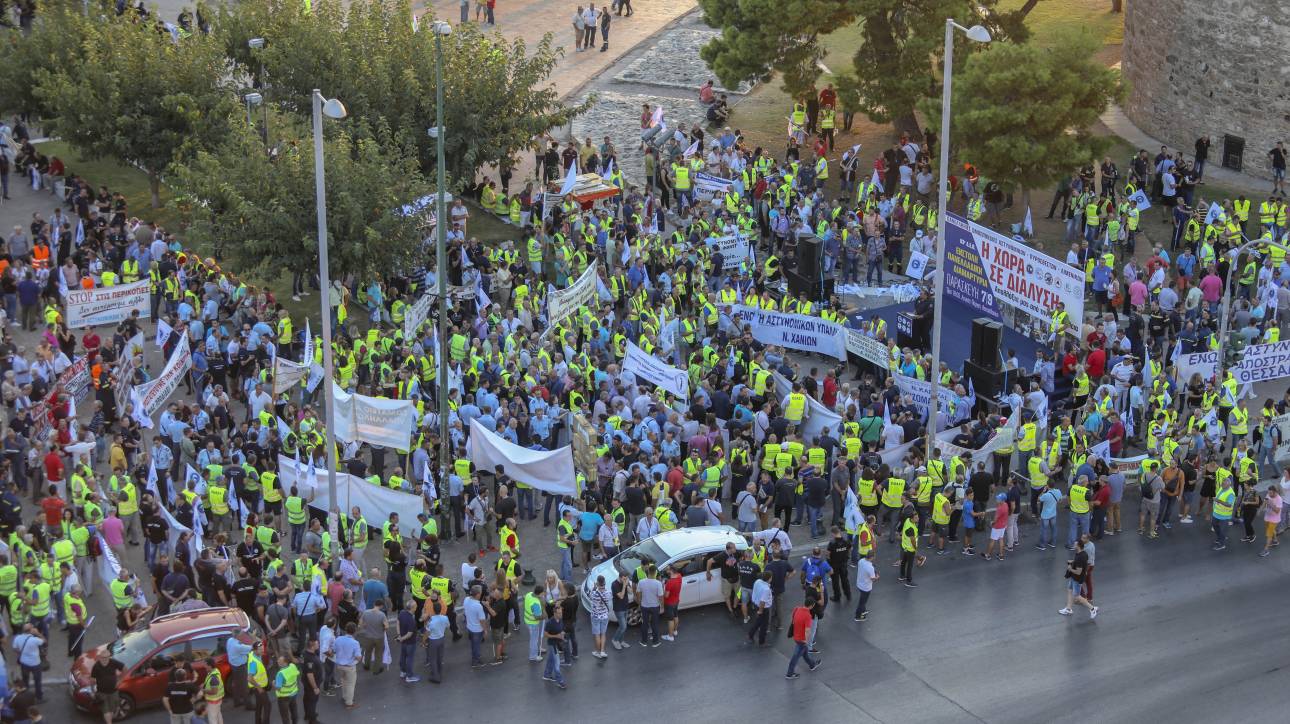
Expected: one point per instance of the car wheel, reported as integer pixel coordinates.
(124, 707)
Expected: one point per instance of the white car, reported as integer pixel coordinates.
(685, 548)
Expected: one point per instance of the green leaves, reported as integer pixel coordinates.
(1022, 113)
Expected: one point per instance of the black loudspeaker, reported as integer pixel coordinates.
(808, 256)
(987, 382)
(987, 337)
(807, 286)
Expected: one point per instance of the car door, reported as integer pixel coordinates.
(147, 682)
(696, 589)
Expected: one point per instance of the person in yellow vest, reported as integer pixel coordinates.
(565, 539)
(795, 405)
(257, 679)
(297, 516)
(893, 493)
(75, 613)
(212, 692)
(286, 685)
(1081, 513)
(1224, 504)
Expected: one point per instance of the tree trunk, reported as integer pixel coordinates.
(907, 121)
(154, 186)
(1117, 6)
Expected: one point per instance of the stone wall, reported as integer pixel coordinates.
(1213, 68)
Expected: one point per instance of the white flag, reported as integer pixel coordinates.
(163, 333)
(693, 149)
(308, 355)
(1215, 213)
(151, 483)
(1028, 225)
(570, 179)
(80, 232)
(875, 182)
(609, 171)
(657, 118)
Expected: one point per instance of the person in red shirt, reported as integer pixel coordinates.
(53, 507)
(92, 343)
(671, 603)
(801, 636)
(829, 396)
(998, 526)
(54, 467)
(1115, 434)
(1096, 363)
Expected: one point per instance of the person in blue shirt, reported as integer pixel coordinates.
(588, 525)
(374, 589)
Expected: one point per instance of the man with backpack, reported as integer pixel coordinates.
(1151, 486)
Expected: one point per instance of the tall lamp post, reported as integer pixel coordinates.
(980, 35)
(331, 108)
(256, 44)
(441, 29)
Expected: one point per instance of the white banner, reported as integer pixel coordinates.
(1002, 438)
(550, 201)
(817, 417)
(107, 305)
(867, 348)
(734, 250)
(287, 374)
(154, 393)
(707, 185)
(343, 404)
(376, 420)
(565, 302)
(1282, 423)
(551, 471)
(1206, 363)
(1263, 362)
(648, 369)
(794, 331)
(375, 502)
(416, 313)
(920, 394)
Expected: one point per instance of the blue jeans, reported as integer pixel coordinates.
(476, 643)
(566, 564)
(33, 672)
(649, 625)
(297, 536)
(1078, 526)
(150, 551)
(1048, 531)
(800, 653)
(744, 527)
(546, 509)
(552, 670)
(527, 510)
(535, 641)
(407, 656)
(1220, 539)
(621, 631)
(813, 514)
(874, 265)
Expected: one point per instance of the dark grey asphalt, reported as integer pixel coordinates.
(1185, 634)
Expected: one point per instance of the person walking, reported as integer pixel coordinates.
(601, 601)
(802, 619)
(908, 552)
(1075, 571)
(407, 638)
(312, 679)
(286, 685)
(436, 631)
(476, 614)
(553, 630)
(348, 653)
(533, 621)
(1221, 515)
(623, 595)
(865, 577)
(1272, 505)
(762, 599)
(1090, 550)
(1048, 501)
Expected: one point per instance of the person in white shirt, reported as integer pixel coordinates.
(774, 533)
(865, 576)
(762, 600)
(647, 526)
(608, 536)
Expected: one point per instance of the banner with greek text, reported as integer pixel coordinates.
(287, 374)
(734, 250)
(1205, 363)
(794, 331)
(564, 302)
(376, 420)
(817, 418)
(649, 369)
(416, 313)
(985, 268)
(867, 348)
(154, 393)
(706, 185)
(1002, 438)
(919, 393)
(1263, 362)
(107, 305)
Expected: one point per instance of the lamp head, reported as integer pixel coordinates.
(442, 28)
(255, 43)
(333, 108)
(979, 34)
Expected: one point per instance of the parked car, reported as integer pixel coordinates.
(151, 650)
(687, 549)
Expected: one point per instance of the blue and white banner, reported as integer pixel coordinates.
(794, 331)
(648, 369)
(563, 302)
(985, 269)
(707, 185)
(1205, 363)
(1263, 362)
(734, 249)
(1139, 199)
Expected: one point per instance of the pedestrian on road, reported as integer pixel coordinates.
(866, 574)
(533, 608)
(408, 642)
(178, 699)
(1090, 549)
(554, 632)
(600, 603)
(1221, 516)
(371, 636)
(802, 620)
(1075, 571)
(1272, 505)
(311, 680)
(762, 600)
(436, 630)
(623, 595)
(286, 684)
(649, 594)
(348, 654)
(604, 28)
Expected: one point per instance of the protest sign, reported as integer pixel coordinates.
(154, 393)
(416, 313)
(107, 305)
(649, 369)
(564, 302)
(866, 348)
(794, 331)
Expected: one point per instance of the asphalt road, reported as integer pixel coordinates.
(1184, 634)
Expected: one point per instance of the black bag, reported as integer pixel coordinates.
(1145, 488)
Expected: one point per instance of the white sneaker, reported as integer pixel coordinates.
(1065, 612)
(295, 297)
(617, 646)
(1093, 612)
(667, 637)
(1185, 520)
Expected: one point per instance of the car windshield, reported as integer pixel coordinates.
(647, 551)
(132, 647)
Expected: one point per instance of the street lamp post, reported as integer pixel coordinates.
(441, 29)
(252, 99)
(980, 35)
(258, 44)
(331, 108)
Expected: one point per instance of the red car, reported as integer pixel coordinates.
(150, 651)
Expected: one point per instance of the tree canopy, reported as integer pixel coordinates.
(892, 70)
(257, 211)
(366, 53)
(1022, 113)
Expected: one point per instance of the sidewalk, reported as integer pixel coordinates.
(1120, 125)
(528, 20)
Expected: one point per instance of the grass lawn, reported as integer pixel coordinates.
(1051, 16)
(117, 177)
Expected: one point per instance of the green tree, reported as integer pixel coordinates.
(56, 40)
(1022, 113)
(365, 53)
(258, 211)
(892, 70)
(135, 95)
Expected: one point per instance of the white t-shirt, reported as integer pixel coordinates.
(864, 575)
